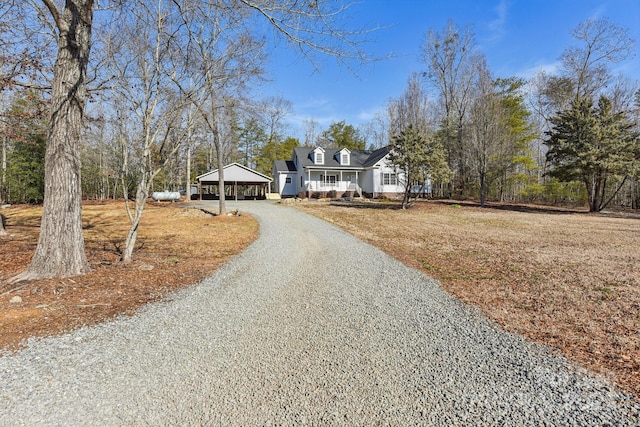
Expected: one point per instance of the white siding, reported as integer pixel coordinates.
(368, 180)
(284, 188)
(380, 188)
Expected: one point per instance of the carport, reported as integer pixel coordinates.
(240, 183)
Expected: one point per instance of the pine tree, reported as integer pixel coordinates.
(594, 145)
(419, 158)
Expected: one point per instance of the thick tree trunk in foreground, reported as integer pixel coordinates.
(60, 251)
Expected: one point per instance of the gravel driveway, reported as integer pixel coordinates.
(309, 326)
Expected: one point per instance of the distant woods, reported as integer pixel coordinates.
(510, 139)
(162, 110)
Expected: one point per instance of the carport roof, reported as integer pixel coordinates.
(235, 172)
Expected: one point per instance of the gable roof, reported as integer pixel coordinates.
(235, 172)
(284, 166)
(359, 158)
(376, 156)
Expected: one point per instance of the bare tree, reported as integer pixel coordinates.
(143, 69)
(311, 132)
(225, 49)
(377, 131)
(222, 56)
(274, 110)
(450, 58)
(412, 108)
(209, 30)
(488, 129)
(602, 43)
(414, 149)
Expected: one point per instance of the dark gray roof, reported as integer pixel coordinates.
(359, 158)
(376, 156)
(284, 166)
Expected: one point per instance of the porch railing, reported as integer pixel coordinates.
(337, 186)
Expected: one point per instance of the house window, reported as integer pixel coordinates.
(328, 179)
(344, 159)
(287, 180)
(319, 158)
(389, 178)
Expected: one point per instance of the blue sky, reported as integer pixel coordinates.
(518, 37)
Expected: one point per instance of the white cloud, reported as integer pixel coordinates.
(497, 26)
(549, 68)
(368, 115)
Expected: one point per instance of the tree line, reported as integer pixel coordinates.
(568, 138)
(131, 87)
(113, 99)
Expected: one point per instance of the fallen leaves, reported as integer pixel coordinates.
(177, 247)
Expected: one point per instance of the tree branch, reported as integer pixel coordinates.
(54, 12)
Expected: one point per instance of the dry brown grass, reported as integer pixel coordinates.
(176, 248)
(566, 279)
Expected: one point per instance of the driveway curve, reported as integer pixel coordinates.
(308, 326)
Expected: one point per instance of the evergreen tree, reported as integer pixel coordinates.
(419, 157)
(516, 163)
(272, 151)
(252, 138)
(594, 145)
(25, 170)
(342, 135)
(26, 135)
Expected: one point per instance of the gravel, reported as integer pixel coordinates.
(309, 326)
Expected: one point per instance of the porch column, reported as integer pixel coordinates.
(309, 184)
(340, 181)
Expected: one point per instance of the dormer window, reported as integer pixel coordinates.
(318, 156)
(344, 157)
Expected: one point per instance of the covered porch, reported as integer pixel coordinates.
(333, 180)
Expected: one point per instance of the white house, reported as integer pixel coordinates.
(319, 172)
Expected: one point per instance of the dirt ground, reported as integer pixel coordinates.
(563, 278)
(176, 247)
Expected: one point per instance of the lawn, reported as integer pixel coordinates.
(566, 279)
(176, 248)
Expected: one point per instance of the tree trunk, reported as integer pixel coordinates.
(3, 186)
(60, 251)
(406, 198)
(132, 236)
(593, 193)
(188, 180)
(220, 159)
(483, 189)
(142, 192)
(3, 224)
